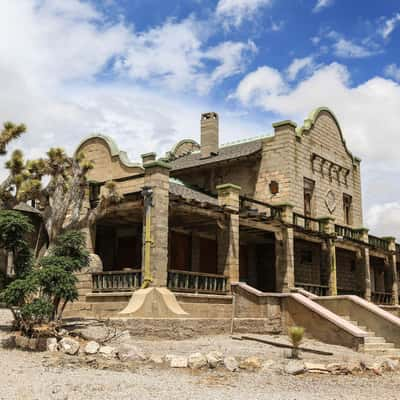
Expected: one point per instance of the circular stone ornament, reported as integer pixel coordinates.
(330, 201)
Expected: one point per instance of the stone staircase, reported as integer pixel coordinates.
(373, 344)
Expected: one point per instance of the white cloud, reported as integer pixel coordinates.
(234, 12)
(393, 71)
(175, 56)
(263, 82)
(49, 77)
(389, 26)
(384, 219)
(321, 4)
(298, 65)
(368, 114)
(348, 49)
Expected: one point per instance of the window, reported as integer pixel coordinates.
(347, 212)
(308, 195)
(306, 257)
(94, 193)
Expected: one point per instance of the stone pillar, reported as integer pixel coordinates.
(284, 251)
(365, 264)
(328, 227)
(157, 179)
(228, 237)
(393, 269)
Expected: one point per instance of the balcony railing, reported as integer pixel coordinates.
(341, 292)
(382, 298)
(196, 282)
(116, 281)
(318, 290)
(348, 233)
(308, 223)
(259, 208)
(377, 242)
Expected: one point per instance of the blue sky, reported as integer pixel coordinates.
(143, 72)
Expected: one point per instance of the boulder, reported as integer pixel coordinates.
(178, 362)
(107, 351)
(197, 360)
(295, 367)
(98, 333)
(91, 347)
(69, 346)
(214, 358)
(129, 352)
(250, 363)
(231, 364)
(51, 344)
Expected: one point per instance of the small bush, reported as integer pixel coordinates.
(296, 334)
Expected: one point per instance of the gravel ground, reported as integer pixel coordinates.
(26, 375)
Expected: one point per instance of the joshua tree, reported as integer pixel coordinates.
(57, 183)
(296, 334)
(10, 132)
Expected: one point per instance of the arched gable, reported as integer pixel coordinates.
(109, 162)
(182, 148)
(312, 121)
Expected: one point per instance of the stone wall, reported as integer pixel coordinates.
(307, 270)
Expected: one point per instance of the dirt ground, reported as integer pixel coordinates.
(28, 375)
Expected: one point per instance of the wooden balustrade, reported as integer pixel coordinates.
(348, 233)
(382, 298)
(116, 281)
(318, 290)
(308, 223)
(377, 242)
(342, 292)
(259, 208)
(196, 282)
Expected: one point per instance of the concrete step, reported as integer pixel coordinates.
(378, 346)
(374, 339)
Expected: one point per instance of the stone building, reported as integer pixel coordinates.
(279, 213)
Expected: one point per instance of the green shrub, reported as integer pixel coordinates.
(296, 334)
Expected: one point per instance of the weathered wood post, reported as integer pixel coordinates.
(393, 269)
(328, 228)
(365, 263)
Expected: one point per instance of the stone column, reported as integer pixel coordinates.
(228, 237)
(157, 179)
(328, 227)
(365, 264)
(284, 251)
(393, 269)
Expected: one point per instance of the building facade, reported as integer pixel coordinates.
(278, 212)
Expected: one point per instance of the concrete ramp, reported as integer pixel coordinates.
(366, 314)
(153, 302)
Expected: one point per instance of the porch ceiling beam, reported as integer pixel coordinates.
(308, 237)
(189, 209)
(270, 226)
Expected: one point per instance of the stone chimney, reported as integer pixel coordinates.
(209, 134)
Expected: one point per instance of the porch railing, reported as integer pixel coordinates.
(318, 290)
(341, 291)
(116, 281)
(348, 233)
(259, 208)
(307, 223)
(377, 242)
(196, 282)
(382, 298)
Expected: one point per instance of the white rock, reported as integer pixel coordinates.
(129, 352)
(107, 351)
(92, 347)
(295, 368)
(51, 344)
(178, 362)
(197, 360)
(231, 364)
(390, 365)
(156, 359)
(250, 363)
(69, 346)
(316, 367)
(214, 358)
